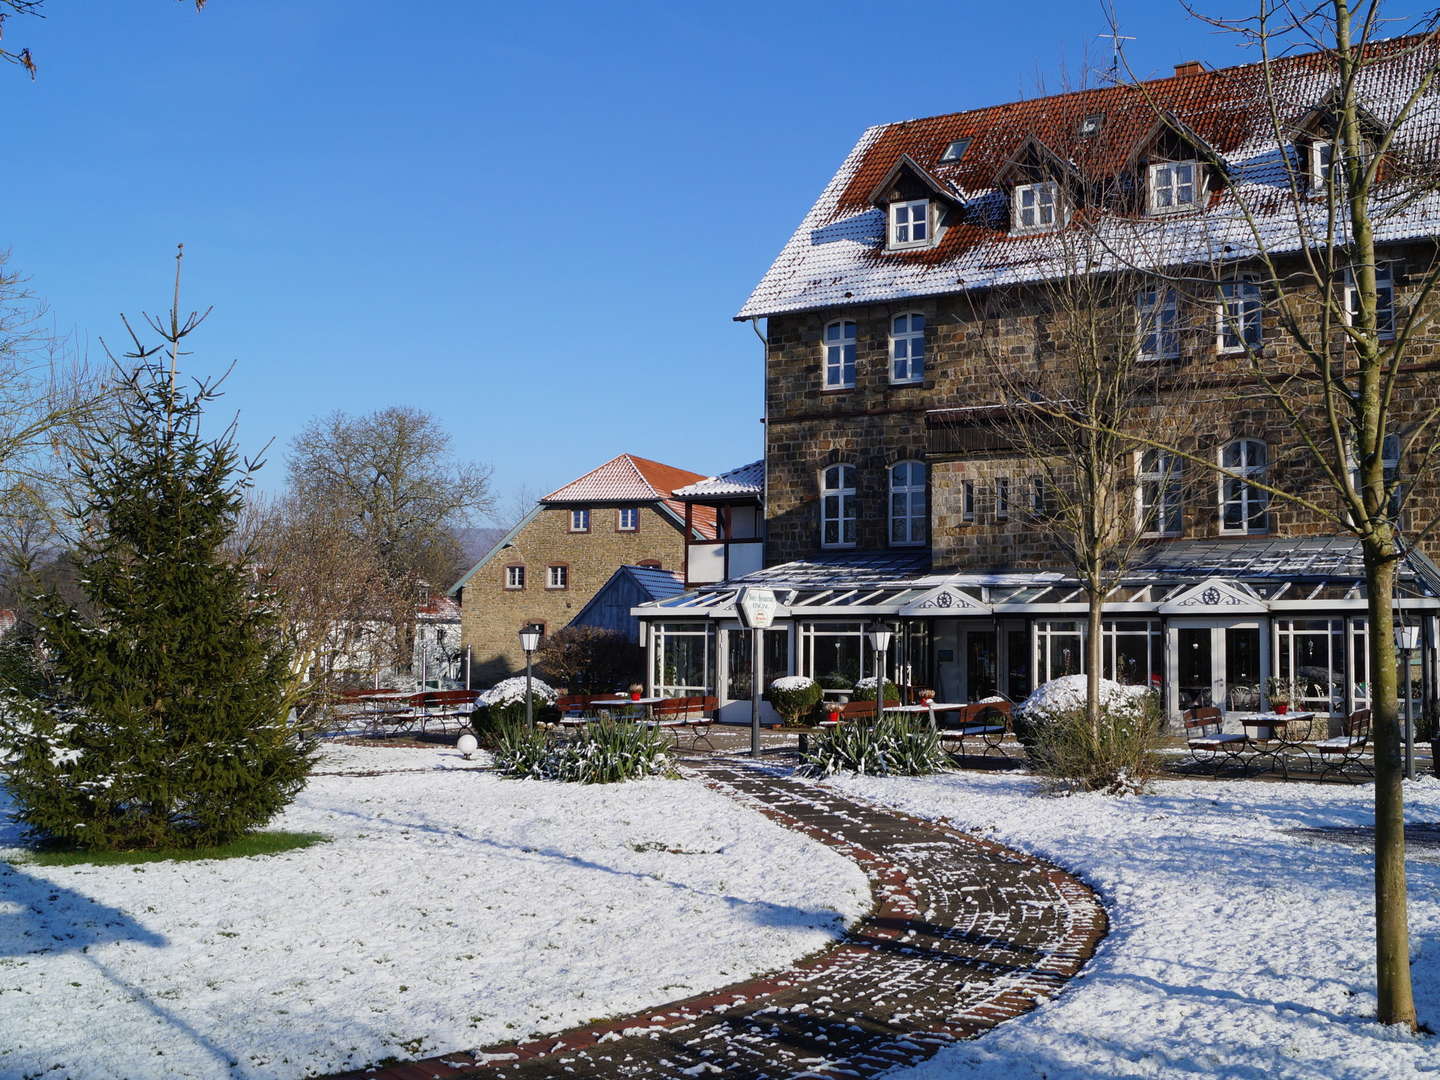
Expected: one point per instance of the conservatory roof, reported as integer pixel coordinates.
(1178, 577)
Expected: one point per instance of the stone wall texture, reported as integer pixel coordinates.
(1209, 399)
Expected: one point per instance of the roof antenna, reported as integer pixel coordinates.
(1115, 40)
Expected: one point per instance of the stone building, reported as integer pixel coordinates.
(924, 275)
(549, 566)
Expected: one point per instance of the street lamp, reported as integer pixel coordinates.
(880, 635)
(1407, 639)
(529, 641)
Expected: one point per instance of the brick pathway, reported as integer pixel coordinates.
(964, 934)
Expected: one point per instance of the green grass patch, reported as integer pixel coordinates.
(257, 843)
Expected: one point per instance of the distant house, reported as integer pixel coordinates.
(609, 609)
(436, 651)
(549, 566)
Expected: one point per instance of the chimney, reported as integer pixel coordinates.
(1189, 67)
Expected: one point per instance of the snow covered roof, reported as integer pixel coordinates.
(837, 255)
(746, 480)
(627, 478)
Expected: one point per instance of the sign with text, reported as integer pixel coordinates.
(756, 607)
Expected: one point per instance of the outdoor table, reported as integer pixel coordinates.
(1272, 737)
(619, 702)
(930, 710)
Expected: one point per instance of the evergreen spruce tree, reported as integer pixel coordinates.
(165, 721)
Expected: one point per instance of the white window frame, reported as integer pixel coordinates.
(630, 513)
(1047, 214)
(909, 368)
(1157, 315)
(837, 357)
(902, 232)
(514, 577)
(844, 518)
(580, 520)
(907, 528)
(1160, 178)
(1164, 514)
(1238, 308)
(1319, 169)
(563, 581)
(1384, 287)
(1002, 498)
(1251, 500)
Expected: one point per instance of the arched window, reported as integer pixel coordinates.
(1242, 505)
(907, 348)
(907, 503)
(837, 506)
(839, 355)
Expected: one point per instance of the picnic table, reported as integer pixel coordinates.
(1271, 735)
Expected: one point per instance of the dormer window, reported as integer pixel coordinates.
(910, 223)
(1322, 162)
(1037, 206)
(1175, 186)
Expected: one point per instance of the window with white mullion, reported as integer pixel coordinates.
(1243, 507)
(839, 348)
(1238, 316)
(1157, 313)
(907, 348)
(1322, 164)
(1158, 493)
(837, 506)
(1384, 300)
(910, 223)
(1037, 206)
(1175, 186)
(907, 503)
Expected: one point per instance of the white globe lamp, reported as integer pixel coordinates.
(467, 744)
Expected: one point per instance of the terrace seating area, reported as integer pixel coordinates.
(1278, 743)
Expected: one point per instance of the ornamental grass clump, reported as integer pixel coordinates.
(606, 751)
(1119, 758)
(794, 698)
(891, 746)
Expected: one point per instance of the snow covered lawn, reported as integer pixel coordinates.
(1236, 948)
(451, 910)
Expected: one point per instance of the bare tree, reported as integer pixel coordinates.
(23, 56)
(1345, 375)
(390, 479)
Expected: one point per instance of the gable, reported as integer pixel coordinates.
(1215, 596)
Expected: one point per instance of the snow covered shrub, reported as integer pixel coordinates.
(794, 696)
(893, 745)
(503, 705)
(865, 690)
(163, 721)
(1120, 758)
(602, 752)
(835, 680)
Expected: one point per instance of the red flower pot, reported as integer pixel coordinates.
(634, 696)
(1282, 709)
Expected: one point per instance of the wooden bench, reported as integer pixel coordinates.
(1207, 740)
(988, 721)
(428, 706)
(694, 715)
(1347, 748)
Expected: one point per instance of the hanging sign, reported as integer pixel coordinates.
(756, 607)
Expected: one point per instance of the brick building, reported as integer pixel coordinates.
(547, 568)
(890, 489)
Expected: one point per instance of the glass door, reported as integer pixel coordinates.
(981, 665)
(1195, 677)
(736, 688)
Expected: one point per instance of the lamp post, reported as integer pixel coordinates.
(529, 641)
(880, 635)
(1407, 639)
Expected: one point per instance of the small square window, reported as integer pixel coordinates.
(559, 577)
(910, 223)
(1090, 125)
(627, 519)
(1175, 186)
(1037, 207)
(515, 577)
(956, 150)
(579, 520)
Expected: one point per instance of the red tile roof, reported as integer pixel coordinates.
(627, 478)
(838, 257)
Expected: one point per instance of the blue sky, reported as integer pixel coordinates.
(535, 221)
